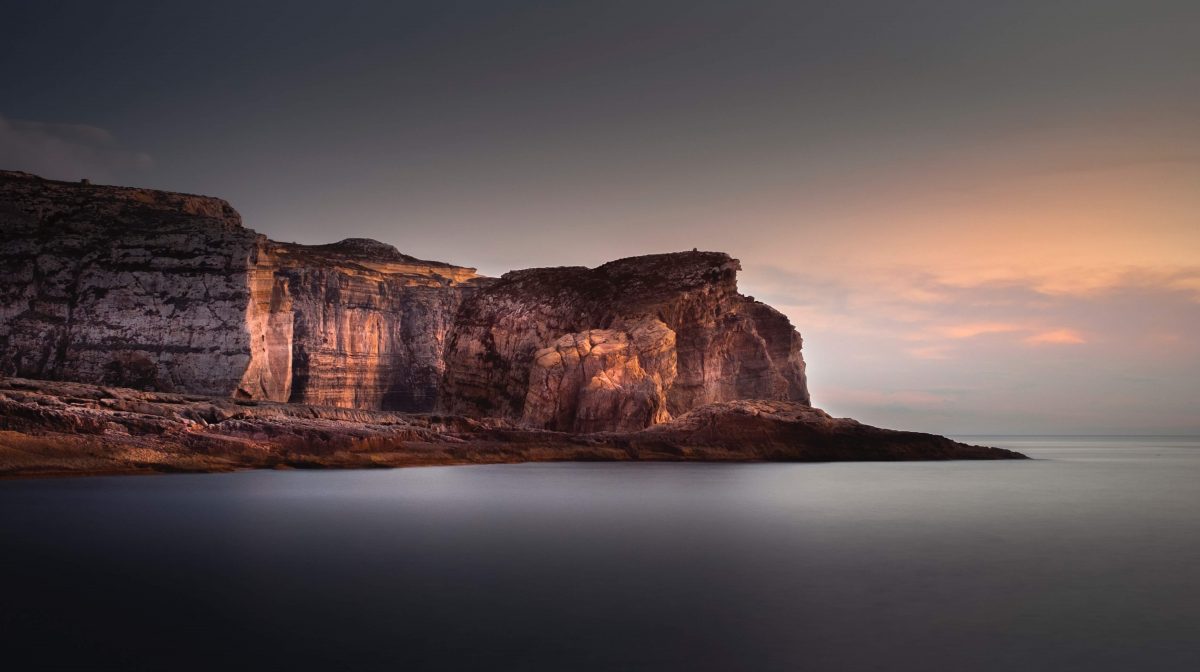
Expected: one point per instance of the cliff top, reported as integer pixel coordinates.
(363, 249)
(370, 256)
(670, 265)
(18, 175)
(682, 269)
(104, 206)
(639, 278)
(39, 196)
(634, 275)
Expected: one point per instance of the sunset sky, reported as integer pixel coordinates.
(982, 216)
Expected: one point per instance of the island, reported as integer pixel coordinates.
(144, 330)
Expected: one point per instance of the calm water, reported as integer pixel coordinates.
(1085, 559)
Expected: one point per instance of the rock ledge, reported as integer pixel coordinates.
(57, 428)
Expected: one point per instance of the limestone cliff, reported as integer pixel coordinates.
(123, 286)
(169, 292)
(163, 291)
(353, 324)
(625, 345)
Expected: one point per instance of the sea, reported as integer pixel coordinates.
(1086, 557)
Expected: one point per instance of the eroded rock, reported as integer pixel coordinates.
(603, 379)
(725, 346)
(163, 291)
(169, 292)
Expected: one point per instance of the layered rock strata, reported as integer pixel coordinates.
(633, 342)
(163, 291)
(186, 332)
(129, 287)
(355, 324)
(168, 292)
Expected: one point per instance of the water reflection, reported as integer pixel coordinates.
(1084, 559)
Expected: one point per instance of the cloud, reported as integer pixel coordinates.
(1098, 282)
(971, 330)
(1053, 269)
(1186, 282)
(67, 151)
(876, 319)
(1056, 337)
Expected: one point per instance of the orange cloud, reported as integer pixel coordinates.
(974, 329)
(1056, 337)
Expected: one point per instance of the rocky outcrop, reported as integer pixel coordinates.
(783, 431)
(169, 292)
(163, 291)
(56, 428)
(354, 324)
(635, 341)
(603, 379)
(186, 333)
(122, 286)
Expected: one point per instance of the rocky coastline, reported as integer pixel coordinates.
(143, 330)
(52, 428)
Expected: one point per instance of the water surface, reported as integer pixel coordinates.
(1085, 559)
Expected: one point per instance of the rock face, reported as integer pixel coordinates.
(122, 286)
(354, 324)
(633, 342)
(169, 292)
(163, 291)
(603, 379)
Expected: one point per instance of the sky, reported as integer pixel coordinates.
(982, 216)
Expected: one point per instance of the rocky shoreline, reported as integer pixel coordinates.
(50, 428)
(197, 344)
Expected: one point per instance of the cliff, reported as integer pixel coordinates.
(169, 292)
(354, 324)
(167, 336)
(623, 346)
(123, 286)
